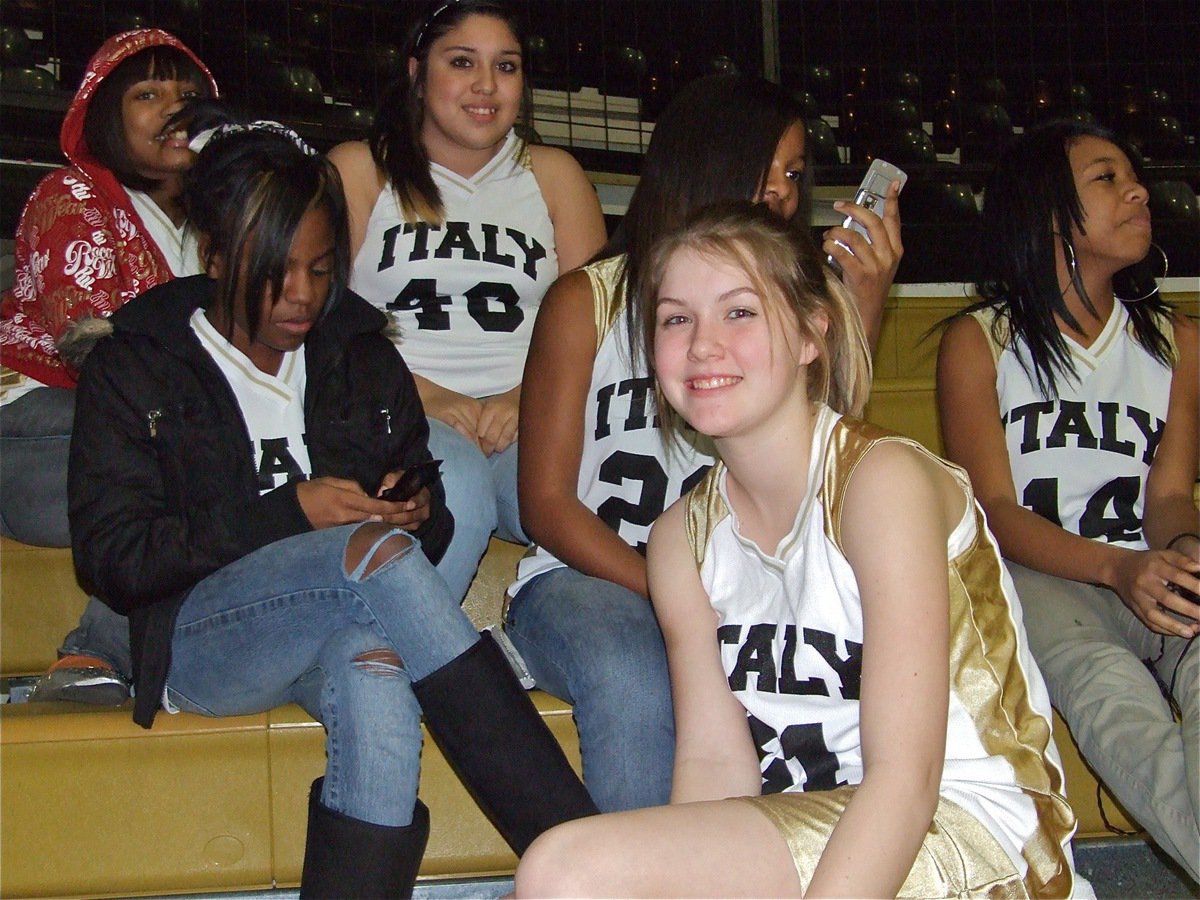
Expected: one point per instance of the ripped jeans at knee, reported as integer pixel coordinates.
(245, 633)
(317, 619)
(249, 631)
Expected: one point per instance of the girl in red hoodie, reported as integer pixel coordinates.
(93, 235)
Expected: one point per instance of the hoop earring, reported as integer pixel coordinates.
(1069, 258)
(1155, 280)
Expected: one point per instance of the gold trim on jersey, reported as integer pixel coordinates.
(987, 677)
(703, 511)
(985, 667)
(995, 330)
(849, 441)
(524, 157)
(1167, 324)
(986, 672)
(608, 293)
(280, 385)
(515, 153)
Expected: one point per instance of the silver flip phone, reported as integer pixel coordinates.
(872, 194)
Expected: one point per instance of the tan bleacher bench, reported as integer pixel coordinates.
(93, 805)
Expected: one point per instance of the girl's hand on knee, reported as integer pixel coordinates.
(497, 425)
(328, 502)
(1188, 545)
(1148, 582)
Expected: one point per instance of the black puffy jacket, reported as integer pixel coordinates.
(162, 483)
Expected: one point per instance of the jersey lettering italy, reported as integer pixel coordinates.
(1081, 459)
(790, 633)
(464, 293)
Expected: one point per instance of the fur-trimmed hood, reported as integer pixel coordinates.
(80, 337)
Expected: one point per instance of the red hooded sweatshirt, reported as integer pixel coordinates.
(82, 250)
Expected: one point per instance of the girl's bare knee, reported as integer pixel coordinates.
(364, 647)
(383, 542)
(553, 865)
(384, 662)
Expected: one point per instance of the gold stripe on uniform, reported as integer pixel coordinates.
(985, 667)
(607, 303)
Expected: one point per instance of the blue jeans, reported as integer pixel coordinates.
(477, 513)
(597, 645)
(481, 492)
(101, 633)
(289, 623)
(35, 438)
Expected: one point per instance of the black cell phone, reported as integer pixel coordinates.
(414, 478)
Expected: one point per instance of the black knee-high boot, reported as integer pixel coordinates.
(491, 734)
(347, 858)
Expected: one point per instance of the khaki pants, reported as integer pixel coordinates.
(1090, 648)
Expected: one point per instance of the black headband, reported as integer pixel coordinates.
(429, 20)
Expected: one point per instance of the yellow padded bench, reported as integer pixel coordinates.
(219, 804)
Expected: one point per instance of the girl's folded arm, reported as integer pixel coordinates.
(974, 438)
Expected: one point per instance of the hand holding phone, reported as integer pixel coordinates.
(872, 195)
(412, 480)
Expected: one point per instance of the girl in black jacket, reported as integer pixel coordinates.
(233, 441)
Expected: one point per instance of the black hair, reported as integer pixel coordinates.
(201, 115)
(1029, 206)
(713, 143)
(245, 197)
(395, 136)
(104, 123)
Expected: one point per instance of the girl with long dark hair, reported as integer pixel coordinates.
(458, 226)
(1069, 392)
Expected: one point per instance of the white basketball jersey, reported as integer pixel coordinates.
(271, 405)
(464, 293)
(628, 474)
(177, 243)
(1081, 460)
(790, 632)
